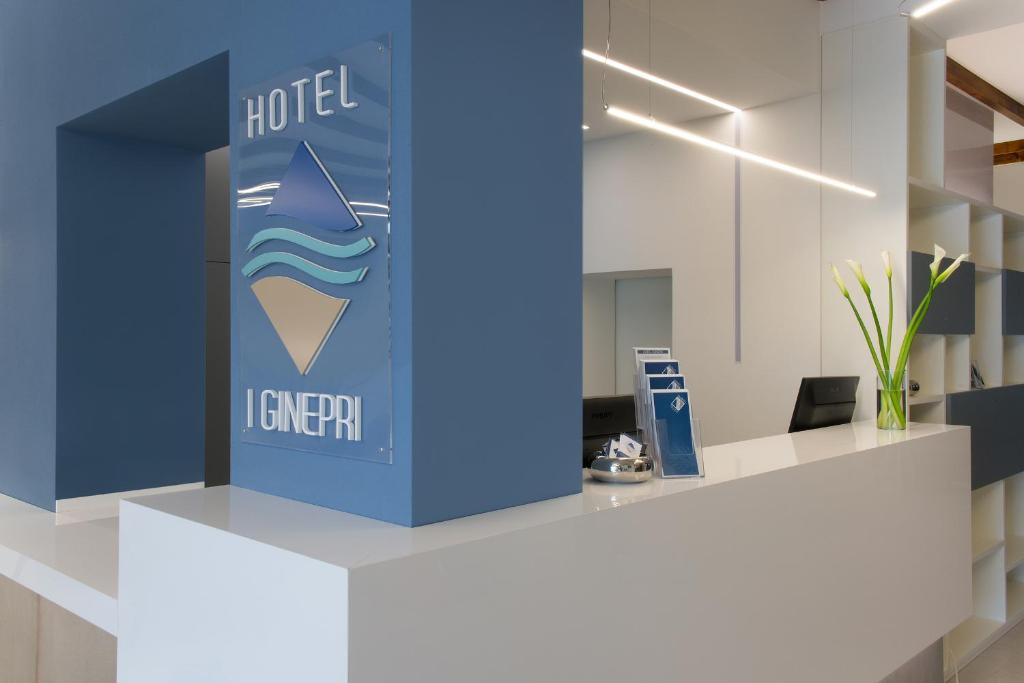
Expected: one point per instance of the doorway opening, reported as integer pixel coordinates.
(622, 310)
(143, 354)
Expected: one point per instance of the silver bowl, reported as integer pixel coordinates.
(622, 470)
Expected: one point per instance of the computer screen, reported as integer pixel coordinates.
(824, 402)
(605, 417)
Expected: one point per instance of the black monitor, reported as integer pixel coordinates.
(606, 417)
(823, 402)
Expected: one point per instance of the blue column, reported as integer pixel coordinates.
(485, 263)
(485, 284)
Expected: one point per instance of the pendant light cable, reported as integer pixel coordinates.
(650, 60)
(607, 54)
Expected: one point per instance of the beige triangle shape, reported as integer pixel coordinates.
(302, 317)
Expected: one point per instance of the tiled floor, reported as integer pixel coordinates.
(1003, 662)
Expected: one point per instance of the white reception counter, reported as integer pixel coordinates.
(829, 555)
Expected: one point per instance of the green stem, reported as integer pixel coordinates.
(897, 407)
(891, 409)
(867, 337)
(881, 340)
(888, 334)
(908, 339)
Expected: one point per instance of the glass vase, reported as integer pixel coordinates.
(892, 405)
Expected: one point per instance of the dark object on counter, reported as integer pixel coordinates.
(914, 387)
(824, 402)
(606, 417)
(977, 381)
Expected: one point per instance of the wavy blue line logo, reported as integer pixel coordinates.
(303, 316)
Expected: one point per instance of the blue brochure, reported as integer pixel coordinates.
(641, 353)
(666, 382)
(662, 366)
(673, 433)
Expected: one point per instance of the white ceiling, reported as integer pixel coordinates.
(994, 55)
(987, 37)
(1006, 130)
(754, 52)
(968, 17)
(743, 52)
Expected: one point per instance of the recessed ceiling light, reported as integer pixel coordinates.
(682, 134)
(586, 127)
(658, 80)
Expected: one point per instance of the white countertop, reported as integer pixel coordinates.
(75, 564)
(350, 541)
(845, 550)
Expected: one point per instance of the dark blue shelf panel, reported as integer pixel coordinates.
(1013, 302)
(997, 440)
(952, 309)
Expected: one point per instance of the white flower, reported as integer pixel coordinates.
(940, 254)
(858, 273)
(839, 281)
(887, 263)
(952, 268)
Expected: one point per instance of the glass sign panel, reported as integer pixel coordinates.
(312, 257)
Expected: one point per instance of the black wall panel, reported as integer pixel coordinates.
(952, 309)
(997, 440)
(1013, 302)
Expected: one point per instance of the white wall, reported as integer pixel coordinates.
(598, 336)
(643, 317)
(864, 139)
(1009, 187)
(651, 202)
(621, 311)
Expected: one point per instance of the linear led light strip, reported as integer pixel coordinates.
(682, 134)
(929, 7)
(658, 80)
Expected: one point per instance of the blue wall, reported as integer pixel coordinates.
(497, 372)
(62, 60)
(486, 173)
(130, 315)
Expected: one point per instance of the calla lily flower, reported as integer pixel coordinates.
(940, 254)
(839, 281)
(952, 268)
(858, 272)
(892, 370)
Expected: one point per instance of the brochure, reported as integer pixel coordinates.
(641, 353)
(675, 448)
(647, 367)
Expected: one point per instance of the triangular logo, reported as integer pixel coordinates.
(309, 193)
(302, 317)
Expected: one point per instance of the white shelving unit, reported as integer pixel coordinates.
(988, 530)
(998, 544)
(941, 364)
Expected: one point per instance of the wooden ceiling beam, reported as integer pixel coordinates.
(1011, 152)
(970, 83)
